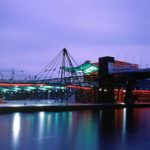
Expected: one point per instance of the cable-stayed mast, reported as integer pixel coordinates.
(60, 67)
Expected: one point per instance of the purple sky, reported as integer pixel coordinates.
(32, 32)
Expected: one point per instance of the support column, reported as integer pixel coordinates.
(129, 97)
(106, 80)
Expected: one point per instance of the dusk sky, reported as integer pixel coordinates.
(32, 32)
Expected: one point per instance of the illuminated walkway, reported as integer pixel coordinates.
(49, 105)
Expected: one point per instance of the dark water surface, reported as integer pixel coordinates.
(120, 129)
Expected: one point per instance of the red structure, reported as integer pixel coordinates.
(140, 96)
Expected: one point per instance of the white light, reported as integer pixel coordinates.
(124, 123)
(15, 105)
(41, 114)
(100, 89)
(16, 127)
(39, 105)
(41, 124)
(105, 90)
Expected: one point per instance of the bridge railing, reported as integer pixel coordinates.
(64, 80)
(74, 80)
(16, 81)
(53, 80)
(129, 70)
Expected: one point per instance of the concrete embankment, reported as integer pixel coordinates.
(32, 107)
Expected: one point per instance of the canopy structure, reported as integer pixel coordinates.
(86, 68)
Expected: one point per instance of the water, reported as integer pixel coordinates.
(119, 129)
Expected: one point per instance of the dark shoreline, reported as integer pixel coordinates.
(69, 107)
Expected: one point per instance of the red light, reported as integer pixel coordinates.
(20, 84)
(78, 87)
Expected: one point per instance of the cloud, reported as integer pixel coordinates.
(33, 32)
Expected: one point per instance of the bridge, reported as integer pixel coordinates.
(111, 77)
(62, 77)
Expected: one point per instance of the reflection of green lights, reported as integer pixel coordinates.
(56, 121)
(70, 122)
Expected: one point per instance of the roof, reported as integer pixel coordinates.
(86, 68)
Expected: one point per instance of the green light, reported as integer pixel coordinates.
(5, 90)
(90, 70)
(85, 68)
(59, 87)
(30, 88)
(45, 88)
(49, 87)
(15, 89)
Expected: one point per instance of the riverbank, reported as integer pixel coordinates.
(49, 105)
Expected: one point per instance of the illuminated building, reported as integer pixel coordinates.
(83, 93)
(90, 72)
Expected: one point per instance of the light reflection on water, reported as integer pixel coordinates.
(16, 129)
(124, 121)
(118, 129)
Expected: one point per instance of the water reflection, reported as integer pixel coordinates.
(118, 129)
(16, 128)
(124, 121)
(41, 123)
